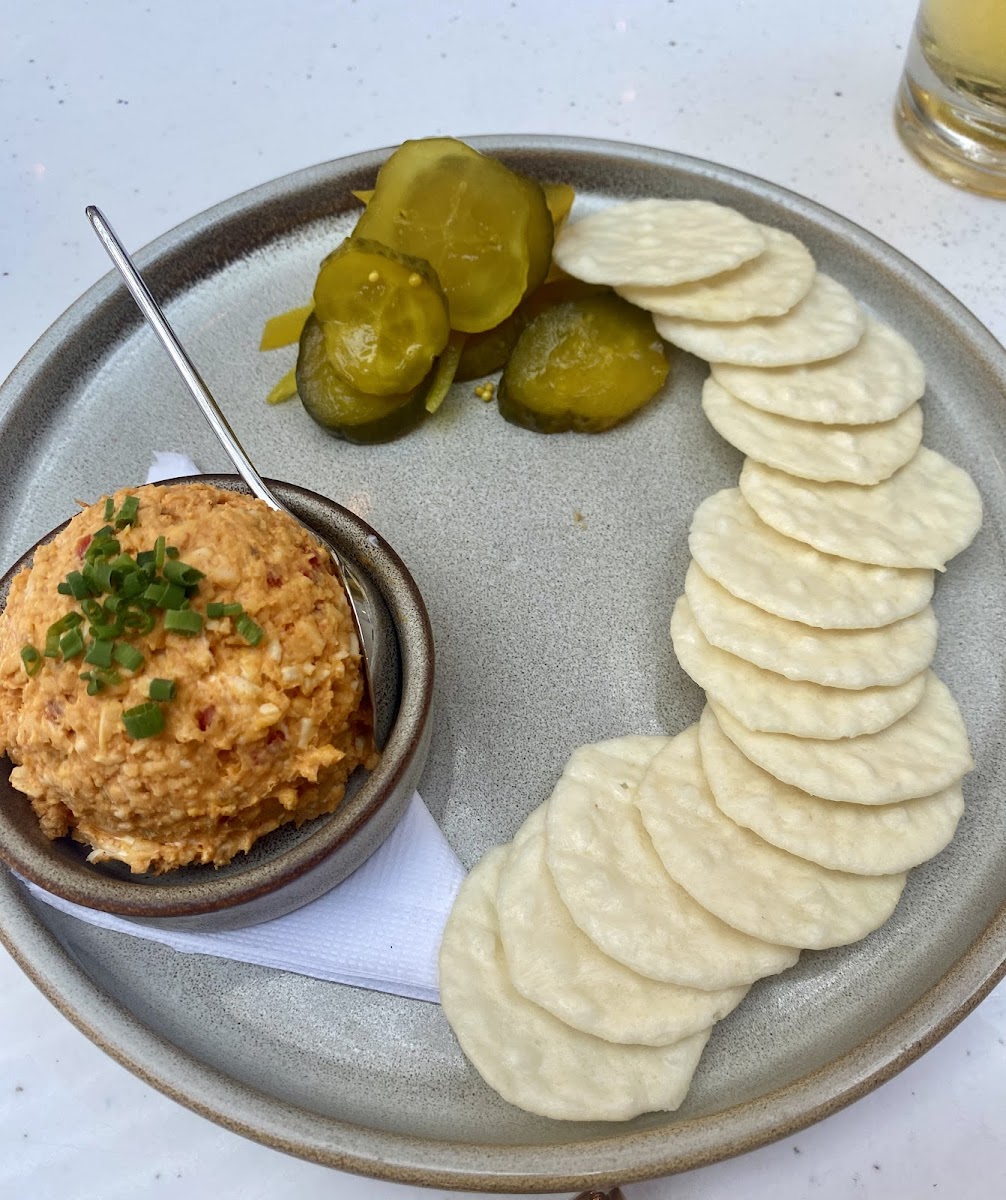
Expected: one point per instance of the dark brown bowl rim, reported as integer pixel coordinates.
(146, 900)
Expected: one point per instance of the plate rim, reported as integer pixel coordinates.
(626, 1156)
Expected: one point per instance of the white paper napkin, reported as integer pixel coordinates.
(379, 929)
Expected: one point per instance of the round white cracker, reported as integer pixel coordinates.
(838, 658)
(745, 881)
(554, 964)
(790, 579)
(826, 322)
(922, 516)
(876, 380)
(863, 839)
(772, 703)
(657, 242)
(609, 877)
(530, 1057)
(924, 752)
(766, 286)
(849, 453)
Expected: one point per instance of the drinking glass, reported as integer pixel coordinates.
(951, 107)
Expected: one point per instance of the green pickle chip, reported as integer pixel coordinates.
(344, 410)
(383, 315)
(486, 230)
(583, 365)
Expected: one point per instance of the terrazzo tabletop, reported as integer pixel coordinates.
(158, 112)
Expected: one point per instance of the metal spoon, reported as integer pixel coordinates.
(378, 644)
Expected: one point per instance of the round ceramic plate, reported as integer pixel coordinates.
(549, 566)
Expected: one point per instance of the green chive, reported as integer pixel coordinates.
(173, 597)
(92, 609)
(109, 508)
(251, 632)
(52, 642)
(99, 653)
(105, 630)
(143, 721)
(172, 551)
(106, 579)
(159, 547)
(76, 586)
(127, 656)
(134, 584)
(64, 588)
(145, 558)
(216, 609)
(155, 593)
(161, 689)
(124, 563)
(175, 571)
(71, 644)
(139, 622)
(32, 661)
(183, 621)
(129, 510)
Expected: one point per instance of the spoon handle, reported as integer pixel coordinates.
(183, 364)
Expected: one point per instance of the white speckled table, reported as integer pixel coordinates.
(159, 111)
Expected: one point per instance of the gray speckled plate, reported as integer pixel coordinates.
(549, 566)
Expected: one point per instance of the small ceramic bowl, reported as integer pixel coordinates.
(289, 867)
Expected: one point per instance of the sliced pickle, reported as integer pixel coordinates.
(344, 410)
(485, 353)
(384, 316)
(284, 329)
(477, 222)
(583, 365)
(445, 371)
(559, 197)
(284, 390)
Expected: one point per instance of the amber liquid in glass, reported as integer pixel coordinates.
(951, 109)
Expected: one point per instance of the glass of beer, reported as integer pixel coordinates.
(951, 108)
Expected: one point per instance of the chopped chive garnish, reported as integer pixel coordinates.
(64, 588)
(145, 558)
(134, 584)
(105, 630)
(128, 511)
(155, 593)
(172, 551)
(52, 643)
(102, 533)
(105, 577)
(71, 644)
(175, 571)
(127, 656)
(100, 653)
(247, 628)
(32, 661)
(143, 721)
(138, 621)
(92, 609)
(216, 609)
(109, 508)
(161, 689)
(124, 563)
(159, 547)
(76, 586)
(173, 597)
(183, 621)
